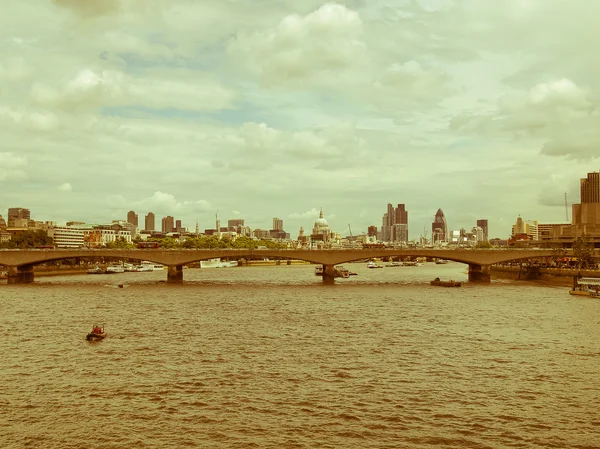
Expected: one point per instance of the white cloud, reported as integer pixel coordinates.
(66, 187)
(300, 49)
(10, 167)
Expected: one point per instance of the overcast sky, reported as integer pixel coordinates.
(264, 108)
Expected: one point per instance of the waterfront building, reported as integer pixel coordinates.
(132, 217)
(150, 222)
(67, 236)
(439, 228)
(524, 230)
(483, 224)
(168, 224)
(394, 227)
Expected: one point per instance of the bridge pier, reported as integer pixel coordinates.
(175, 274)
(20, 275)
(479, 273)
(328, 274)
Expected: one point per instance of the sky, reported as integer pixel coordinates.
(257, 109)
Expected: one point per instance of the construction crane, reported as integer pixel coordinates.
(351, 240)
(566, 207)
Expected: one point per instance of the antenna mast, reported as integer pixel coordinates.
(566, 207)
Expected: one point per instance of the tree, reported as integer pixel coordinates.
(120, 243)
(29, 239)
(483, 245)
(583, 249)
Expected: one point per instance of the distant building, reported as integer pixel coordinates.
(67, 236)
(2, 224)
(168, 224)
(150, 222)
(321, 234)
(18, 217)
(483, 224)
(439, 228)
(372, 231)
(277, 224)
(394, 226)
(132, 217)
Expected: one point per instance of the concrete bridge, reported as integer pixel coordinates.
(20, 262)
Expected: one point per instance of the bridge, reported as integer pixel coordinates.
(20, 262)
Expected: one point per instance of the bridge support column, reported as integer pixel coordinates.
(328, 274)
(20, 275)
(479, 273)
(175, 274)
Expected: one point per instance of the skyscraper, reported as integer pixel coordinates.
(277, 224)
(132, 218)
(439, 228)
(394, 226)
(168, 224)
(483, 224)
(150, 222)
(590, 188)
(18, 214)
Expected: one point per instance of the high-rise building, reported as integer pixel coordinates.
(150, 222)
(372, 231)
(178, 225)
(590, 188)
(132, 218)
(394, 227)
(236, 222)
(439, 227)
(168, 224)
(18, 214)
(277, 224)
(483, 224)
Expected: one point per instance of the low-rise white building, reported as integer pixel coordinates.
(66, 236)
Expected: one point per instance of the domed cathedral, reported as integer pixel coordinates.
(321, 234)
(439, 228)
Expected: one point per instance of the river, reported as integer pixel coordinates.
(268, 357)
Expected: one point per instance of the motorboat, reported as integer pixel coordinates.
(449, 283)
(394, 264)
(441, 261)
(586, 287)
(218, 263)
(372, 264)
(97, 333)
(95, 270)
(319, 270)
(112, 269)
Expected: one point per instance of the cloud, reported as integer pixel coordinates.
(90, 8)
(66, 187)
(303, 49)
(558, 113)
(10, 167)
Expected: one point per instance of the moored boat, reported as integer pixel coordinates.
(441, 261)
(449, 283)
(97, 333)
(372, 264)
(218, 263)
(95, 270)
(112, 269)
(586, 287)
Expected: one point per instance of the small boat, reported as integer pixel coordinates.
(449, 283)
(97, 333)
(394, 264)
(587, 287)
(372, 264)
(112, 269)
(441, 261)
(319, 270)
(95, 270)
(3, 275)
(340, 271)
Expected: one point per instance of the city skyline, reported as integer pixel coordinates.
(186, 108)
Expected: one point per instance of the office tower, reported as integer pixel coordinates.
(439, 228)
(483, 224)
(277, 224)
(150, 222)
(394, 226)
(590, 188)
(132, 218)
(372, 231)
(236, 222)
(168, 224)
(178, 225)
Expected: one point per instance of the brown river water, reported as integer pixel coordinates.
(268, 357)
